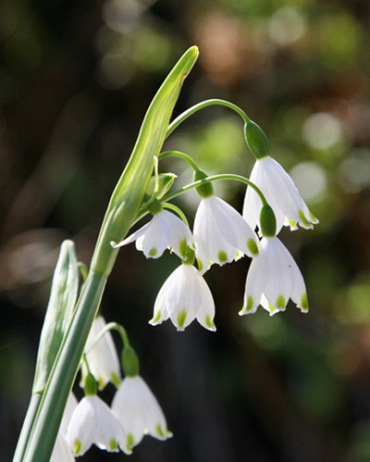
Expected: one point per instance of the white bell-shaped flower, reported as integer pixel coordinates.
(68, 412)
(221, 235)
(93, 422)
(282, 195)
(138, 411)
(102, 358)
(183, 297)
(273, 279)
(61, 452)
(164, 231)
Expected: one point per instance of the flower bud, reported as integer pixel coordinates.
(130, 362)
(164, 183)
(205, 190)
(256, 140)
(268, 221)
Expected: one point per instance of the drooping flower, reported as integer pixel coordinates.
(221, 235)
(138, 411)
(165, 230)
(61, 452)
(280, 192)
(102, 358)
(273, 278)
(183, 297)
(68, 412)
(93, 422)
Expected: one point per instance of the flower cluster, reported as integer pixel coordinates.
(134, 411)
(221, 235)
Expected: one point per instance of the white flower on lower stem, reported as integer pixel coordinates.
(280, 192)
(93, 422)
(165, 230)
(221, 235)
(102, 358)
(138, 411)
(68, 412)
(61, 452)
(183, 297)
(273, 278)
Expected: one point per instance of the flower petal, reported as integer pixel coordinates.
(280, 192)
(138, 411)
(221, 235)
(61, 452)
(102, 358)
(183, 297)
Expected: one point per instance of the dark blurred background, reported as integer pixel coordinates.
(76, 78)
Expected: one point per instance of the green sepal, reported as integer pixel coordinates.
(162, 182)
(130, 362)
(155, 207)
(268, 221)
(256, 140)
(205, 190)
(61, 304)
(90, 385)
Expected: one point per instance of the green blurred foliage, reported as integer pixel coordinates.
(75, 81)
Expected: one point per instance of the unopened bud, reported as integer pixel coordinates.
(268, 221)
(206, 189)
(256, 140)
(163, 182)
(90, 385)
(130, 362)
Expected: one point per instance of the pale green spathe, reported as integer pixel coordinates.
(62, 301)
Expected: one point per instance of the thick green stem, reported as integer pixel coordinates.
(122, 211)
(210, 102)
(59, 386)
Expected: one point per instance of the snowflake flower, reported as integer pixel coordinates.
(183, 297)
(221, 235)
(273, 278)
(102, 358)
(138, 411)
(282, 195)
(61, 452)
(165, 230)
(93, 422)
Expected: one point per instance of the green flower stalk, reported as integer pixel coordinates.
(122, 212)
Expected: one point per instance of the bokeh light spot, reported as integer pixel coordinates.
(322, 130)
